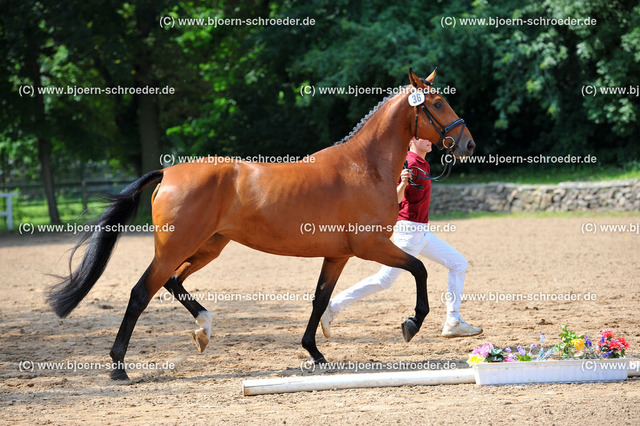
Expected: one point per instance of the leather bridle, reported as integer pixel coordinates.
(442, 131)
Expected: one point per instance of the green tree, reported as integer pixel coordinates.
(26, 42)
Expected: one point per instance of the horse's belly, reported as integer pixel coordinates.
(300, 245)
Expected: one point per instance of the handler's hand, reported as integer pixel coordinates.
(405, 176)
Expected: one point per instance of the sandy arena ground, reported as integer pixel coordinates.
(261, 339)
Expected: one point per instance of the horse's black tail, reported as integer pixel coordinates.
(65, 296)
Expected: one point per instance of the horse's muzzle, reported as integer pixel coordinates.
(464, 148)
(470, 146)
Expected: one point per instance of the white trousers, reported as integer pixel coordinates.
(414, 238)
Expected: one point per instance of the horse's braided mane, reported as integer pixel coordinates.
(363, 121)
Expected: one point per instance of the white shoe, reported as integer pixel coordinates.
(460, 329)
(325, 322)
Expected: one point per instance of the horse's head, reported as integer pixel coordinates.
(436, 120)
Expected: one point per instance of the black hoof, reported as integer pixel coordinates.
(409, 329)
(320, 361)
(118, 374)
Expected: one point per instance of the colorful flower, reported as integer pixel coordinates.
(623, 343)
(615, 344)
(578, 344)
(507, 350)
(521, 350)
(475, 359)
(587, 342)
(608, 334)
(483, 350)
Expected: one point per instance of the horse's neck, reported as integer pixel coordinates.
(384, 140)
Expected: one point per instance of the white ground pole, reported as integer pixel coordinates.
(350, 381)
(368, 380)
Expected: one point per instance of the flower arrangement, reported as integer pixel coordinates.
(571, 346)
(488, 353)
(610, 347)
(581, 347)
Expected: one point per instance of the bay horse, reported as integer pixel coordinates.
(263, 206)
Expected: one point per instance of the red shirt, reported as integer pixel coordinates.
(415, 204)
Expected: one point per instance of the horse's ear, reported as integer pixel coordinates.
(432, 76)
(414, 79)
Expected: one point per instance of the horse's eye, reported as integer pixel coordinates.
(438, 105)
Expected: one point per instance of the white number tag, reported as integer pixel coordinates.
(416, 98)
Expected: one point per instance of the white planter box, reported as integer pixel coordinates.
(565, 371)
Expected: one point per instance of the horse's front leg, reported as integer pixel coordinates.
(331, 270)
(382, 250)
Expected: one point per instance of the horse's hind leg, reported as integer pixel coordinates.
(141, 295)
(331, 270)
(206, 253)
(202, 316)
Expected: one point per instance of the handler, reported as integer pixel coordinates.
(412, 235)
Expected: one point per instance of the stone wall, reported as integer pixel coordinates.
(619, 195)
